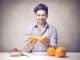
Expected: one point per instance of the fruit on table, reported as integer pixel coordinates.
(15, 50)
(51, 51)
(60, 52)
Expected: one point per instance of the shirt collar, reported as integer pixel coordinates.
(46, 25)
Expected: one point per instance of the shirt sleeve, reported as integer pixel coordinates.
(53, 39)
(28, 33)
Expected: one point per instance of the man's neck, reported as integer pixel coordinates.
(41, 24)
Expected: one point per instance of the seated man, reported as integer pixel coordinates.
(39, 29)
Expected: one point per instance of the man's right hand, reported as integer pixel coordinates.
(32, 41)
(30, 45)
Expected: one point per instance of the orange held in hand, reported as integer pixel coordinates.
(51, 51)
(33, 38)
(60, 52)
(38, 38)
(42, 38)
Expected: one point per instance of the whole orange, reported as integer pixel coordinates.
(60, 52)
(51, 51)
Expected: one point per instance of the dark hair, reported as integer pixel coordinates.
(41, 7)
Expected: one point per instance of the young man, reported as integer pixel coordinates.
(39, 29)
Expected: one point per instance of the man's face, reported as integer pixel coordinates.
(41, 16)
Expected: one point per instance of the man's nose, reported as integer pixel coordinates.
(41, 17)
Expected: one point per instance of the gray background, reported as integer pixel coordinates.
(17, 15)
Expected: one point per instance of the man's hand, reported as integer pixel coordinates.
(30, 45)
(45, 42)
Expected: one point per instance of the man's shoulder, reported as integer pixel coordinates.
(51, 26)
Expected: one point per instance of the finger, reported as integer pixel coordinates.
(45, 41)
(34, 41)
(30, 40)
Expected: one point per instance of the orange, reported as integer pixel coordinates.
(60, 52)
(43, 38)
(51, 51)
(33, 38)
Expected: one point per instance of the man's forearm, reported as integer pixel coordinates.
(28, 47)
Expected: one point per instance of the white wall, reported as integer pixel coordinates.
(17, 15)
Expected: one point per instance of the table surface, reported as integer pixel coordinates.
(39, 56)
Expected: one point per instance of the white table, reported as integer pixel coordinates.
(39, 56)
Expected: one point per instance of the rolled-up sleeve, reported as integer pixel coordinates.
(53, 39)
(28, 33)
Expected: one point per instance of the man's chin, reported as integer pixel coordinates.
(41, 22)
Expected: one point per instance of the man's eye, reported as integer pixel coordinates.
(43, 15)
(38, 15)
